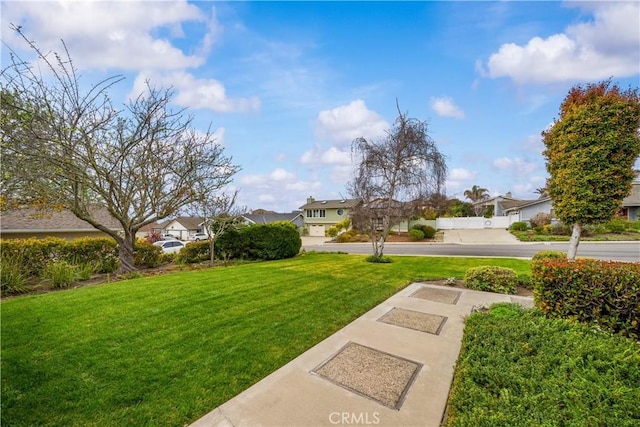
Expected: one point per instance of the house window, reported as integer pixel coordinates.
(316, 213)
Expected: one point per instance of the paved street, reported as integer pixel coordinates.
(467, 243)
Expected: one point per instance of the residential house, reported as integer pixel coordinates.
(265, 217)
(527, 209)
(319, 215)
(26, 222)
(631, 204)
(182, 227)
(499, 204)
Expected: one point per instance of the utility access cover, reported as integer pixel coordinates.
(438, 295)
(423, 322)
(377, 375)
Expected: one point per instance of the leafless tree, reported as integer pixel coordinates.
(73, 149)
(391, 175)
(219, 213)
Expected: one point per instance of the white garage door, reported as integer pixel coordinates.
(316, 230)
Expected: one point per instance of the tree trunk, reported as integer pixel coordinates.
(125, 254)
(212, 250)
(574, 241)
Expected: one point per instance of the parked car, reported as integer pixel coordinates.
(170, 246)
(196, 237)
(167, 236)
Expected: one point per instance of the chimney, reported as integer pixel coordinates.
(310, 200)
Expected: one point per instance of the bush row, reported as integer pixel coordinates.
(254, 242)
(592, 291)
(540, 225)
(61, 262)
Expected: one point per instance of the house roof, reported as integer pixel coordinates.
(331, 204)
(267, 218)
(188, 222)
(29, 219)
(527, 203)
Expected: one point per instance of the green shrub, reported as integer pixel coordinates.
(518, 368)
(415, 234)
(60, 274)
(35, 253)
(233, 244)
(560, 229)
(99, 252)
(592, 291)
(549, 254)
(108, 264)
(194, 252)
(146, 255)
(332, 231)
(616, 225)
(429, 232)
(378, 259)
(525, 281)
(277, 240)
(12, 279)
(519, 226)
(492, 279)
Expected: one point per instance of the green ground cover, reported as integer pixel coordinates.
(165, 350)
(517, 368)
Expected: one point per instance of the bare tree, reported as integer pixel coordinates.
(219, 213)
(391, 175)
(73, 149)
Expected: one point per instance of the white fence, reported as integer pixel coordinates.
(473, 222)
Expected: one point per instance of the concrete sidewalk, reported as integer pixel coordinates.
(393, 366)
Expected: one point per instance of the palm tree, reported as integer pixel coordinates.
(476, 193)
(542, 191)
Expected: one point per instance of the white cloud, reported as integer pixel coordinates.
(517, 165)
(445, 107)
(458, 180)
(275, 190)
(128, 35)
(606, 46)
(331, 156)
(345, 123)
(196, 93)
(459, 174)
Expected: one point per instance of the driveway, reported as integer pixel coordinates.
(483, 235)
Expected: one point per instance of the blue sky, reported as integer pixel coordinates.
(289, 85)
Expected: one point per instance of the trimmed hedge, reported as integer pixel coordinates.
(428, 231)
(592, 291)
(193, 252)
(549, 254)
(491, 278)
(519, 226)
(277, 240)
(416, 234)
(101, 253)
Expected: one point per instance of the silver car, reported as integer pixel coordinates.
(170, 246)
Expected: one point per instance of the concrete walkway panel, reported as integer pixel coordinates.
(296, 395)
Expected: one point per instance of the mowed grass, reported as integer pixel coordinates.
(165, 350)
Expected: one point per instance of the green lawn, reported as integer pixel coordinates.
(518, 368)
(165, 350)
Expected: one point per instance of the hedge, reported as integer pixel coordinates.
(277, 240)
(255, 242)
(101, 253)
(606, 293)
(492, 278)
